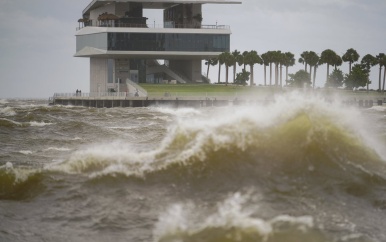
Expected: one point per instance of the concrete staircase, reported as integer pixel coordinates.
(179, 77)
(135, 89)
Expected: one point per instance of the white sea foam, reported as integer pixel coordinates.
(57, 149)
(233, 212)
(165, 118)
(3, 101)
(224, 127)
(39, 124)
(379, 108)
(7, 111)
(26, 152)
(7, 166)
(21, 175)
(179, 111)
(11, 121)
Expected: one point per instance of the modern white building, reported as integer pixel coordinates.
(123, 47)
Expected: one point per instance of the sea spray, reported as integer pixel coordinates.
(293, 122)
(232, 220)
(301, 165)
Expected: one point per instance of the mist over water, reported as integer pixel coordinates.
(302, 168)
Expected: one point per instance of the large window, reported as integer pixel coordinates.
(168, 42)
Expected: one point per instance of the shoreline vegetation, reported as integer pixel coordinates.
(276, 68)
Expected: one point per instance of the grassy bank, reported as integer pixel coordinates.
(202, 90)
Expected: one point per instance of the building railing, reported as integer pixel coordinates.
(155, 26)
(154, 95)
(205, 95)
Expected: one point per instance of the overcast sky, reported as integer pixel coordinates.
(37, 38)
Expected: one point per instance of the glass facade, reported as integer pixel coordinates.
(98, 41)
(168, 42)
(110, 71)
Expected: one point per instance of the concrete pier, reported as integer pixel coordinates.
(195, 102)
(142, 102)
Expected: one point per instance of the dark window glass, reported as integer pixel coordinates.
(168, 42)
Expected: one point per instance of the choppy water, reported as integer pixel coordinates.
(298, 169)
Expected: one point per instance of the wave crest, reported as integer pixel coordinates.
(18, 183)
(294, 136)
(232, 220)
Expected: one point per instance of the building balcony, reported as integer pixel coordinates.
(165, 25)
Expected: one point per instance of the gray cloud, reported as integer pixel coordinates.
(37, 41)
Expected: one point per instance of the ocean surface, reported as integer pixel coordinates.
(300, 168)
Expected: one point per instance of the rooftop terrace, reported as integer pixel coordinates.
(156, 4)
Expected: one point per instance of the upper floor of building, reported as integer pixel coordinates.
(129, 13)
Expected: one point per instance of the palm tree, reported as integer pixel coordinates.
(304, 59)
(221, 60)
(351, 56)
(251, 59)
(289, 60)
(269, 57)
(338, 62)
(328, 57)
(282, 61)
(236, 55)
(276, 58)
(210, 62)
(313, 61)
(379, 62)
(244, 54)
(368, 61)
(301, 61)
(265, 59)
(383, 61)
(229, 60)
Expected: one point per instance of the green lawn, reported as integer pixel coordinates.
(201, 89)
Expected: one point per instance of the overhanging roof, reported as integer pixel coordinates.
(154, 4)
(99, 53)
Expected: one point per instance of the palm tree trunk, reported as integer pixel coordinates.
(252, 80)
(275, 74)
(219, 72)
(281, 75)
(234, 73)
(349, 67)
(313, 84)
(380, 76)
(328, 72)
(226, 72)
(311, 76)
(286, 75)
(207, 72)
(265, 75)
(384, 78)
(270, 74)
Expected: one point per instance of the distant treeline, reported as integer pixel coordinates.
(358, 75)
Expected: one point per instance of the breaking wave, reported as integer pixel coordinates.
(308, 134)
(7, 111)
(229, 222)
(4, 122)
(19, 183)
(234, 219)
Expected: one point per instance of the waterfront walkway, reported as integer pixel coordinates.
(110, 100)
